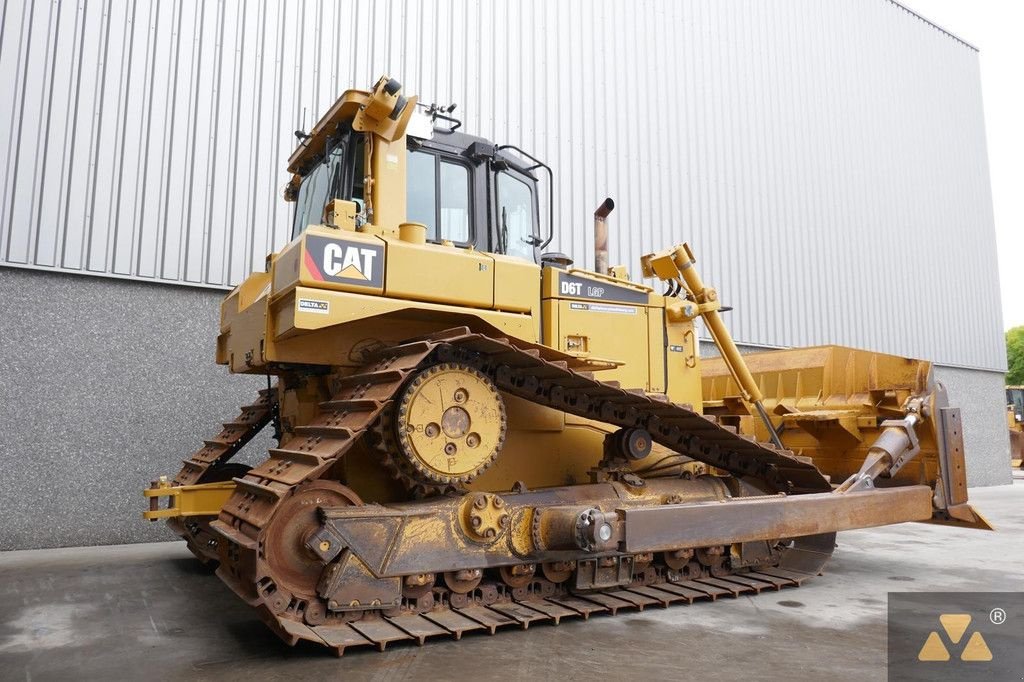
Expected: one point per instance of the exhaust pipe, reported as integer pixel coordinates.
(601, 236)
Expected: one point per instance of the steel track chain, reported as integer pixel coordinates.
(234, 435)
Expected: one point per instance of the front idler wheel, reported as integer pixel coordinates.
(295, 569)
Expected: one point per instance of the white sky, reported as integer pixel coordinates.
(994, 27)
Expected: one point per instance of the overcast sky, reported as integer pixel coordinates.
(994, 27)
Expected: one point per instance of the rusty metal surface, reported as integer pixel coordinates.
(501, 615)
(202, 465)
(601, 235)
(235, 434)
(954, 478)
(404, 538)
(707, 524)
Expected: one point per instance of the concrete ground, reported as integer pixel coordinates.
(148, 611)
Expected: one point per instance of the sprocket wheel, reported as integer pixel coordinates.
(447, 426)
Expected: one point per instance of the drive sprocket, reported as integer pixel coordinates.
(445, 428)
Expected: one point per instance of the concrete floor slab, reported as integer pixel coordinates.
(149, 611)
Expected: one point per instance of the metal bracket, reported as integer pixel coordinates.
(610, 571)
(951, 457)
(325, 543)
(907, 453)
(349, 585)
(896, 445)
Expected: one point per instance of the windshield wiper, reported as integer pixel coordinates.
(503, 232)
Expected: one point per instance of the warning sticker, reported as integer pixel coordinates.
(604, 308)
(311, 305)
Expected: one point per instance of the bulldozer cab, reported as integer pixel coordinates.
(468, 192)
(464, 189)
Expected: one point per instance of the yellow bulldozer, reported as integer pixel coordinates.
(473, 433)
(1014, 419)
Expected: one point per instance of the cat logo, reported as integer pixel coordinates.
(344, 262)
(351, 261)
(955, 625)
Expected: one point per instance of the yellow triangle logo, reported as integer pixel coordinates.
(352, 272)
(955, 625)
(976, 649)
(933, 649)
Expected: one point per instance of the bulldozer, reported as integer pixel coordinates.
(1014, 417)
(473, 433)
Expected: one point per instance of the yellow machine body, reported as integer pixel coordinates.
(388, 290)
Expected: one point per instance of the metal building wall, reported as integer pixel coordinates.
(825, 158)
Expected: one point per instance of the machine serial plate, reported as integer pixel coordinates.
(599, 308)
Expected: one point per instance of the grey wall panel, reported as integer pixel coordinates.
(986, 439)
(106, 385)
(826, 159)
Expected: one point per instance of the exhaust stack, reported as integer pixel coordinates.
(601, 236)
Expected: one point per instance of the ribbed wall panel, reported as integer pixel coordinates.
(826, 159)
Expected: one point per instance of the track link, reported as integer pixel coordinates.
(232, 438)
(358, 401)
(199, 466)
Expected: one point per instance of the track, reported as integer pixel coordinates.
(226, 444)
(508, 613)
(204, 465)
(245, 525)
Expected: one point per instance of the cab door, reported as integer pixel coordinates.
(515, 215)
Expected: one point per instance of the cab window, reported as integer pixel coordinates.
(333, 177)
(313, 193)
(453, 207)
(515, 217)
(438, 196)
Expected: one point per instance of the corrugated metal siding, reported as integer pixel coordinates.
(826, 159)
